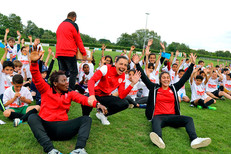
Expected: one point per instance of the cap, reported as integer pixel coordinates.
(44, 69)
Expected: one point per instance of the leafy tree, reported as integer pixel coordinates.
(125, 40)
(88, 39)
(31, 29)
(104, 41)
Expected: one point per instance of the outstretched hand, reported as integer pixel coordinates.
(193, 58)
(135, 59)
(136, 77)
(35, 55)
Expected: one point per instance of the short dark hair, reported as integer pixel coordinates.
(200, 61)
(11, 39)
(201, 72)
(120, 57)
(181, 70)
(8, 63)
(186, 59)
(151, 55)
(55, 76)
(199, 77)
(150, 65)
(71, 14)
(85, 65)
(225, 69)
(132, 70)
(174, 64)
(229, 75)
(17, 79)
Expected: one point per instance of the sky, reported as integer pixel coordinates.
(200, 24)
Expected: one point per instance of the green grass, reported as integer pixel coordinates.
(129, 131)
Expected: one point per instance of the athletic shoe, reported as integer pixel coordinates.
(157, 140)
(222, 98)
(17, 121)
(54, 151)
(212, 108)
(103, 119)
(200, 142)
(143, 106)
(79, 151)
(130, 106)
(199, 107)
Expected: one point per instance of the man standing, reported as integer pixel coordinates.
(68, 43)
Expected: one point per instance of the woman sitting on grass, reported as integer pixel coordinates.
(163, 106)
(52, 122)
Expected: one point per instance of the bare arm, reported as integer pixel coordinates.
(5, 37)
(19, 36)
(4, 55)
(103, 48)
(48, 56)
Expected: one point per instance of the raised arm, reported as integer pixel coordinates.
(186, 75)
(124, 92)
(144, 78)
(48, 56)
(130, 53)
(103, 48)
(4, 55)
(19, 37)
(37, 79)
(5, 37)
(158, 61)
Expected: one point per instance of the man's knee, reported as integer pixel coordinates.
(33, 118)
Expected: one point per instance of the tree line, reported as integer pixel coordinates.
(125, 41)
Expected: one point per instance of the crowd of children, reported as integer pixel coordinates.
(17, 89)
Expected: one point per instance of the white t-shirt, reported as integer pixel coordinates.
(2, 89)
(12, 51)
(87, 78)
(136, 87)
(227, 84)
(24, 60)
(211, 85)
(198, 91)
(9, 94)
(182, 89)
(7, 79)
(172, 75)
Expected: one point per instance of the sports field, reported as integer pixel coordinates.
(129, 130)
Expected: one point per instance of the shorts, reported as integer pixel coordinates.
(181, 93)
(216, 93)
(21, 110)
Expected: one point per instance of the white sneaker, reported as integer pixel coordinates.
(157, 140)
(79, 151)
(103, 119)
(54, 151)
(16, 122)
(200, 142)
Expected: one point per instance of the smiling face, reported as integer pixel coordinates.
(8, 70)
(62, 84)
(152, 58)
(121, 66)
(165, 80)
(131, 74)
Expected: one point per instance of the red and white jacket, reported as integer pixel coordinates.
(108, 80)
(54, 106)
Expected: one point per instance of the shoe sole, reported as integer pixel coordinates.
(155, 139)
(101, 120)
(204, 143)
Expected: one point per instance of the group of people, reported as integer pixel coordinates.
(111, 88)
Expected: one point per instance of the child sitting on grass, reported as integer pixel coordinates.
(198, 97)
(16, 99)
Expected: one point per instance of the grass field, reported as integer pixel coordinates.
(129, 131)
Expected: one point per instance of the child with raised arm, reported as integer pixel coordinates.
(16, 99)
(212, 86)
(198, 96)
(12, 48)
